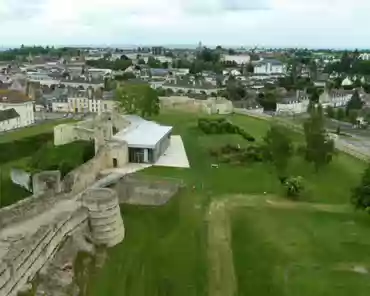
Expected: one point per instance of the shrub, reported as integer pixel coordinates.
(294, 187)
(221, 126)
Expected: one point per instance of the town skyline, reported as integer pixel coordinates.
(278, 23)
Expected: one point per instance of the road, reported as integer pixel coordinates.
(355, 139)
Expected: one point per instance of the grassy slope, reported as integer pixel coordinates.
(294, 252)
(32, 130)
(9, 192)
(164, 252)
(330, 185)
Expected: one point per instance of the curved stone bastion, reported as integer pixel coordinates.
(105, 220)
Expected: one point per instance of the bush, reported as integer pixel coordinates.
(294, 187)
(222, 126)
(24, 147)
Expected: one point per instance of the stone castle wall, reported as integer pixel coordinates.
(26, 257)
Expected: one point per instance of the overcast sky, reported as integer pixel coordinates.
(311, 23)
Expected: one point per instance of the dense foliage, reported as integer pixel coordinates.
(278, 148)
(319, 148)
(222, 126)
(238, 155)
(294, 187)
(138, 99)
(64, 158)
(23, 147)
(361, 194)
(23, 52)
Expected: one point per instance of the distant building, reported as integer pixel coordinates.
(269, 66)
(157, 50)
(16, 110)
(335, 98)
(293, 104)
(238, 59)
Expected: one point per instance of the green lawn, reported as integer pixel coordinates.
(165, 249)
(32, 130)
(163, 252)
(9, 192)
(330, 185)
(297, 252)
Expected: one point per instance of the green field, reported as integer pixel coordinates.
(9, 192)
(299, 252)
(32, 130)
(241, 248)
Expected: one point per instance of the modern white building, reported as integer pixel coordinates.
(16, 110)
(269, 66)
(146, 140)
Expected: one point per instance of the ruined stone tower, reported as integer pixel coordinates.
(106, 224)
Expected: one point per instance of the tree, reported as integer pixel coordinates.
(355, 103)
(340, 114)
(138, 99)
(330, 112)
(141, 61)
(352, 116)
(278, 148)
(319, 148)
(154, 63)
(125, 76)
(361, 194)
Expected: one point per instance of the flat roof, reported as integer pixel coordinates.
(142, 133)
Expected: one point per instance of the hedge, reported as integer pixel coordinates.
(222, 126)
(10, 151)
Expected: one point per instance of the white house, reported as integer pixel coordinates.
(84, 104)
(269, 66)
(347, 82)
(239, 59)
(364, 56)
(293, 105)
(335, 98)
(16, 110)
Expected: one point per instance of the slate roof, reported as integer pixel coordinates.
(8, 114)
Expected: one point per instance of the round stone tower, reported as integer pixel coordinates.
(105, 221)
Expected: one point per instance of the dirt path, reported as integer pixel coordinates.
(221, 275)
